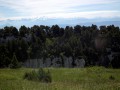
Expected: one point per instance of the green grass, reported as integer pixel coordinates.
(92, 78)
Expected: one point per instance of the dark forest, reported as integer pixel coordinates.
(93, 44)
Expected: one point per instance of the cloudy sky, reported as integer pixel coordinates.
(17, 9)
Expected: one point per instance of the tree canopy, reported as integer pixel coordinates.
(90, 42)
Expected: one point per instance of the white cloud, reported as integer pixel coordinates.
(56, 8)
(89, 15)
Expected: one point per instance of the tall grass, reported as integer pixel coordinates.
(92, 78)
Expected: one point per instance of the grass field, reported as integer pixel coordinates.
(92, 78)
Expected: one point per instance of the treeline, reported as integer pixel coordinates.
(94, 44)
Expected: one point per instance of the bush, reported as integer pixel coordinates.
(111, 77)
(39, 75)
(31, 75)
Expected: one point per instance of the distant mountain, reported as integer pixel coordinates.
(116, 23)
(60, 21)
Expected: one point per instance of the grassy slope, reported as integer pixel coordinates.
(94, 78)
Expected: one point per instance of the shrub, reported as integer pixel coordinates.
(39, 75)
(31, 75)
(111, 77)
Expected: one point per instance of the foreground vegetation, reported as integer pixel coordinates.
(92, 78)
(38, 75)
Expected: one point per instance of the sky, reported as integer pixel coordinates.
(18, 9)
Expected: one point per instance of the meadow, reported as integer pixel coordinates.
(89, 78)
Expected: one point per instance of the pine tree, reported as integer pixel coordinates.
(14, 62)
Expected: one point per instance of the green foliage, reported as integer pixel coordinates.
(14, 62)
(39, 75)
